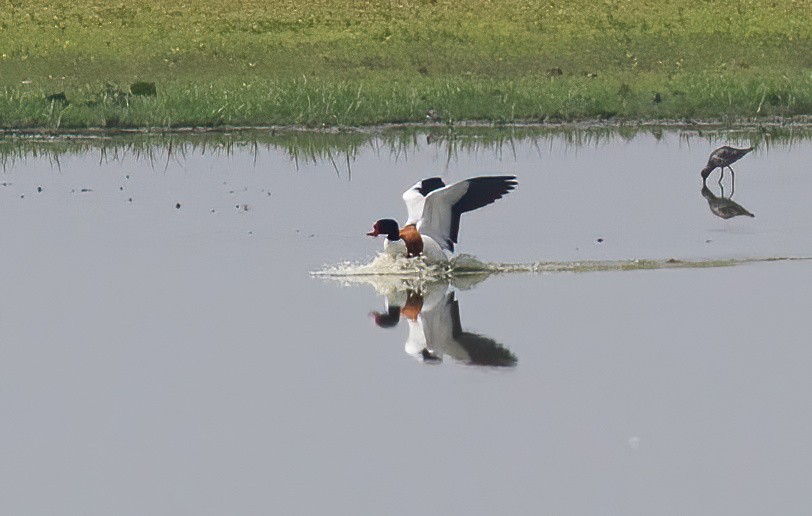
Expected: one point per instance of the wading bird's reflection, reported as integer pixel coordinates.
(722, 206)
(435, 331)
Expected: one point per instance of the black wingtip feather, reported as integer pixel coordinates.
(481, 350)
(482, 191)
(429, 185)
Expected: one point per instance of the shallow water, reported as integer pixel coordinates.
(157, 359)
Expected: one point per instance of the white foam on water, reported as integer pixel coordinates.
(465, 271)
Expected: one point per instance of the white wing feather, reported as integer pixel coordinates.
(437, 212)
(438, 328)
(414, 204)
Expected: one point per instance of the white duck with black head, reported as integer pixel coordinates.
(434, 211)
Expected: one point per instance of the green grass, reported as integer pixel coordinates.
(353, 62)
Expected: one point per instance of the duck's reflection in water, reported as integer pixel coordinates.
(723, 206)
(435, 330)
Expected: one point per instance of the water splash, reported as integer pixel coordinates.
(462, 269)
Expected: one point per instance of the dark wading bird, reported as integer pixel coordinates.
(434, 215)
(723, 157)
(723, 207)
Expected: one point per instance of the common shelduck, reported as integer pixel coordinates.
(435, 330)
(723, 157)
(434, 214)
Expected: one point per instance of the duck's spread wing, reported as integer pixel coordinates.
(415, 196)
(442, 208)
(445, 336)
(438, 324)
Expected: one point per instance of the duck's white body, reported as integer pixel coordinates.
(432, 251)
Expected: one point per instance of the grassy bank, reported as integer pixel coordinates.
(345, 62)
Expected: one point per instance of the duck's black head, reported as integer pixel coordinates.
(389, 319)
(386, 227)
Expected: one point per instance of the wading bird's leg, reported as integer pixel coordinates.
(732, 183)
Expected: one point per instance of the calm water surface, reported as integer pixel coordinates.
(157, 359)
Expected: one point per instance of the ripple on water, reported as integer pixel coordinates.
(466, 270)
